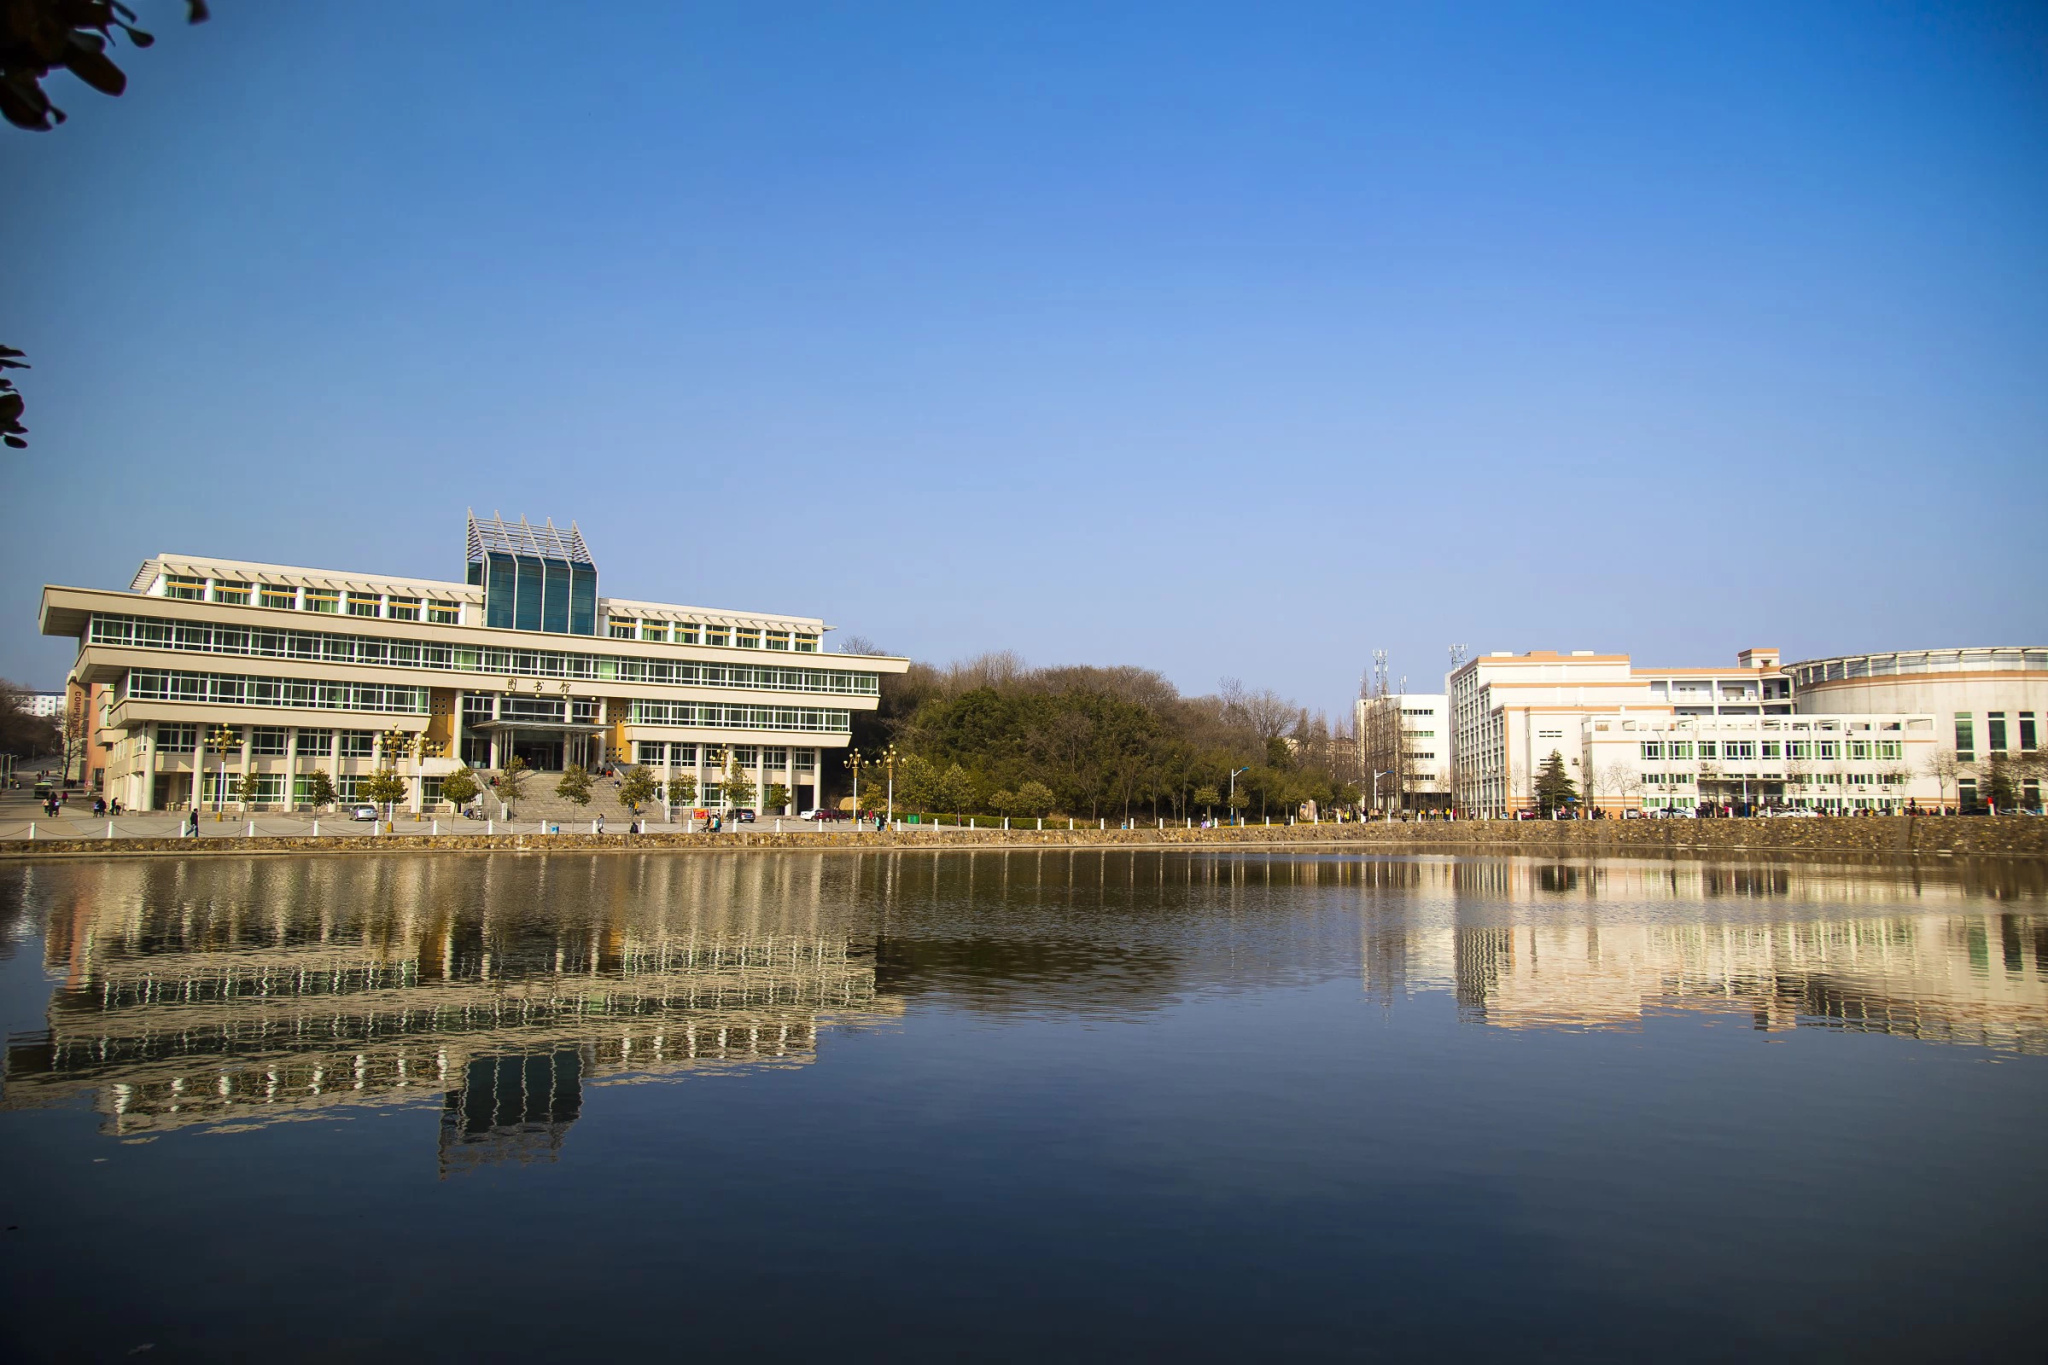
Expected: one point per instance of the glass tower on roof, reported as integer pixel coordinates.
(534, 577)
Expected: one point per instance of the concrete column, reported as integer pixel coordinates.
(291, 764)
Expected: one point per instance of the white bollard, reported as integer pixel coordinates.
(31, 829)
(490, 826)
(1041, 822)
(251, 833)
(110, 829)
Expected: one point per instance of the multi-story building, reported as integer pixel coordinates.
(1856, 732)
(1404, 741)
(206, 670)
(1988, 704)
(43, 704)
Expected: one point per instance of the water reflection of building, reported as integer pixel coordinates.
(1596, 945)
(255, 993)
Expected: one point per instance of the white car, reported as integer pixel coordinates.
(363, 813)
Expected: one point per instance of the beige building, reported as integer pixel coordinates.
(1863, 732)
(207, 671)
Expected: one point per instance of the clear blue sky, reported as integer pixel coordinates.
(1227, 340)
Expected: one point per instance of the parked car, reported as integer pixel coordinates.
(1793, 812)
(362, 813)
(823, 814)
(743, 816)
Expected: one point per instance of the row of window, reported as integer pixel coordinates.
(270, 741)
(262, 642)
(219, 789)
(1749, 750)
(328, 601)
(229, 689)
(714, 716)
(1795, 780)
(1995, 733)
(655, 753)
(692, 633)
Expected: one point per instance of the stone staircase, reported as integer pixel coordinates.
(541, 803)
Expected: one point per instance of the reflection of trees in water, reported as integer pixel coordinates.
(225, 992)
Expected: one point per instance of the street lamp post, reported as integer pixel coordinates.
(889, 808)
(394, 742)
(853, 762)
(1376, 788)
(1231, 800)
(220, 741)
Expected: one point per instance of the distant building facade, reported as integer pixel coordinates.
(205, 671)
(1863, 732)
(1404, 740)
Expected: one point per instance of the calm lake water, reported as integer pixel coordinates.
(1021, 1105)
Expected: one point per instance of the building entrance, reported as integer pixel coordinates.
(542, 754)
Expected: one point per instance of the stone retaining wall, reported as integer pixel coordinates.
(1875, 839)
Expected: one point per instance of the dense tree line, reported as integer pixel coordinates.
(992, 736)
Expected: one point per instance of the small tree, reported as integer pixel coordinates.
(1943, 766)
(512, 782)
(247, 787)
(320, 789)
(1034, 798)
(737, 789)
(638, 788)
(916, 784)
(682, 789)
(776, 798)
(1555, 790)
(383, 788)
(575, 784)
(1208, 798)
(2001, 790)
(1002, 801)
(955, 790)
(460, 787)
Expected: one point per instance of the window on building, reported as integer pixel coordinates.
(282, 599)
(717, 635)
(806, 760)
(268, 739)
(228, 590)
(1891, 748)
(185, 587)
(1859, 750)
(325, 600)
(1653, 749)
(746, 639)
(1678, 748)
(653, 753)
(363, 604)
(1708, 748)
(1966, 737)
(1994, 726)
(2029, 737)
(405, 608)
(654, 630)
(176, 739)
(775, 758)
(807, 644)
(746, 755)
(624, 630)
(444, 613)
(315, 743)
(683, 755)
(775, 639)
(1771, 749)
(686, 633)
(358, 743)
(1828, 750)
(1966, 793)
